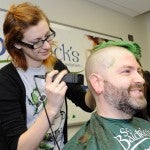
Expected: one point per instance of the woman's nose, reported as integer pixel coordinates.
(46, 45)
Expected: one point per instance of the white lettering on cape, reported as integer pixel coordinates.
(127, 137)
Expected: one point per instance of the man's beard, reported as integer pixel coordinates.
(122, 100)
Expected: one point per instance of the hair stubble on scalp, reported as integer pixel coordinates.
(99, 62)
(102, 60)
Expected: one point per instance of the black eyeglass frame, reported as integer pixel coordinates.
(53, 34)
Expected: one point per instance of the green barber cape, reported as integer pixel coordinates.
(111, 134)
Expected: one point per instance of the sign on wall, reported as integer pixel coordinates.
(72, 48)
(3, 54)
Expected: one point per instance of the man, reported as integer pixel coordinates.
(115, 78)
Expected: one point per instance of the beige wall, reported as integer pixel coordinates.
(80, 13)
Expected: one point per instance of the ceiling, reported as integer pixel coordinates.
(128, 7)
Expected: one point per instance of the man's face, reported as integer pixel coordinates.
(123, 85)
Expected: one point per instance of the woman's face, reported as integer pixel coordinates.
(32, 36)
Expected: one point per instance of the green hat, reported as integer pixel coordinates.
(131, 46)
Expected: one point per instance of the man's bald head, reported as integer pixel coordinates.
(101, 60)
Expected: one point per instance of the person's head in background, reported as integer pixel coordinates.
(146, 75)
(115, 78)
(28, 36)
(145, 113)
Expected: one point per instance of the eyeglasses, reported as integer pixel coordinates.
(40, 43)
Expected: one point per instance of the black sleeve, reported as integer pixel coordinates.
(75, 92)
(60, 66)
(12, 120)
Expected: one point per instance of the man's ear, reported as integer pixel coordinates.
(96, 82)
(18, 46)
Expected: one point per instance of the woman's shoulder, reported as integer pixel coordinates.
(9, 72)
(8, 69)
(59, 65)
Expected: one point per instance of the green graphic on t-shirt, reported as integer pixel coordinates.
(44, 146)
(36, 100)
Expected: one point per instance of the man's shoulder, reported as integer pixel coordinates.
(78, 141)
(140, 119)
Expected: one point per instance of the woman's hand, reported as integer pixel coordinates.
(55, 91)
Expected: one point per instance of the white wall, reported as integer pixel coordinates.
(147, 19)
(80, 13)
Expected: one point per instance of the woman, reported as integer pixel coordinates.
(24, 124)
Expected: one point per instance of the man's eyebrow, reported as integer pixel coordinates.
(126, 66)
(130, 67)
